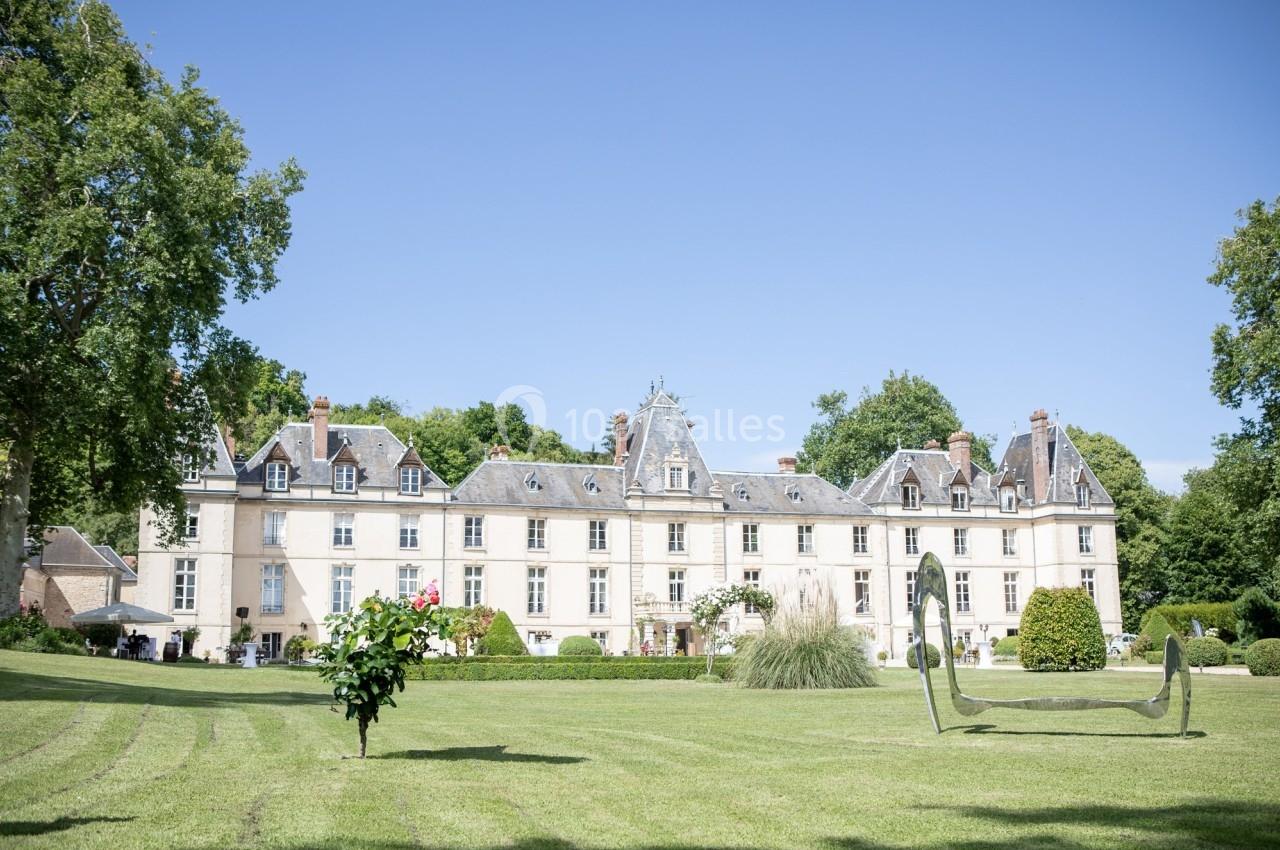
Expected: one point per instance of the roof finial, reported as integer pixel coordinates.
(651, 388)
(410, 441)
(899, 442)
(661, 385)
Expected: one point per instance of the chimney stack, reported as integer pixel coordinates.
(500, 452)
(1040, 456)
(619, 439)
(958, 448)
(932, 444)
(320, 427)
(230, 440)
(787, 465)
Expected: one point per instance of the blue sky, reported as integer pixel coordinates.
(760, 202)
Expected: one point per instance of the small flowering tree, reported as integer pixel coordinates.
(370, 647)
(708, 607)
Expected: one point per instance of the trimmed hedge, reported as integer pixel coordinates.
(1007, 647)
(1061, 631)
(502, 638)
(1212, 615)
(498, 668)
(931, 656)
(579, 645)
(1206, 652)
(1263, 657)
(1154, 657)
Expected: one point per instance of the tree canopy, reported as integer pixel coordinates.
(849, 442)
(128, 217)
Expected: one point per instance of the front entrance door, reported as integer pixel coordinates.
(684, 639)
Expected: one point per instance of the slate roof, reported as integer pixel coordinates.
(1066, 465)
(66, 548)
(559, 485)
(116, 561)
(376, 450)
(221, 464)
(767, 492)
(658, 428)
(933, 471)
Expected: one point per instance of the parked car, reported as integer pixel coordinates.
(1120, 643)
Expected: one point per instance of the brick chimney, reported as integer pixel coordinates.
(230, 440)
(500, 452)
(932, 444)
(320, 427)
(787, 465)
(619, 439)
(958, 449)
(1040, 456)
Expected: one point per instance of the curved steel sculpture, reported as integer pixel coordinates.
(931, 582)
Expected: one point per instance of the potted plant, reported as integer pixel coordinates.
(883, 657)
(189, 636)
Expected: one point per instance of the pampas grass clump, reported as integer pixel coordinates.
(804, 646)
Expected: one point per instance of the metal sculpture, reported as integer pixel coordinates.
(931, 582)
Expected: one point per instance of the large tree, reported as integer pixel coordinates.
(1206, 560)
(1141, 514)
(847, 443)
(127, 217)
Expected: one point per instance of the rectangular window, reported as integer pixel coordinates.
(601, 638)
(537, 590)
(962, 592)
(598, 591)
(910, 496)
(675, 586)
(1011, 593)
(1009, 540)
(340, 600)
(1085, 535)
(911, 591)
(1082, 495)
(410, 480)
(752, 579)
(269, 645)
(750, 538)
(862, 591)
(344, 530)
(1088, 583)
(961, 539)
(344, 478)
(472, 585)
(860, 542)
(959, 498)
(804, 539)
(675, 537)
(473, 532)
(408, 532)
(190, 469)
(1008, 501)
(911, 537)
(273, 588)
(191, 528)
(184, 584)
(675, 478)
(273, 528)
(407, 582)
(277, 476)
(597, 535)
(537, 534)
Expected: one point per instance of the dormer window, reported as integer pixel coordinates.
(589, 484)
(959, 498)
(792, 492)
(740, 490)
(1082, 495)
(677, 470)
(411, 480)
(190, 469)
(344, 478)
(277, 476)
(911, 496)
(675, 477)
(1008, 500)
(531, 483)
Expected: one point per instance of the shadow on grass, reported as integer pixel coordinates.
(41, 827)
(495, 753)
(990, 729)
(38, 687)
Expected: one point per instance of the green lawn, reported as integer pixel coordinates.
(113, 754)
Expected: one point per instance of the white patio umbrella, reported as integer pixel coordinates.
(120, 612)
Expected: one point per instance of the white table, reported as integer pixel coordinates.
(250, 657)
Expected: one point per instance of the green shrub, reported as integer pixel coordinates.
(20, 627)
(1263, 657)
(1141, 646)
(1257, 616)
(298, 647)
(1157, 628)
(1212, 615)
(100, 634)
(1007, 648)
(804, 646)
(1154, 657)
(931, 656)
(501, 639)
(541, 668)
(1060, 631)
(579, 645)
(1235, 655)
(1206, 652)
(709, 679)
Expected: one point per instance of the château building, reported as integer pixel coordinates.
(325, 514)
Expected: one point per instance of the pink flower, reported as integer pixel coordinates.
(419, 603)
(432, 592)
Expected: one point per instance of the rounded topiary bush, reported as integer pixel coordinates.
(1206, 652)
(1061, 631)
(579, 645)
(708, 679)
(502, 638)
(1007, 647)
(1156, 629)
(1263, 657)
(931, 656)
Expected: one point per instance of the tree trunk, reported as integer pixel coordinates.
(364, 734)
(15, 507)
